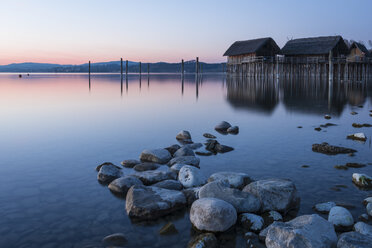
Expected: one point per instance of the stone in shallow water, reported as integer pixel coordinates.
(327, 117)
(191, 176)
(121, 185)
(173, 148)
(106, 163)
(271, 216)
(242, 201)
(205, 240)
(146, 166)
(369, 209)
(275, 194)
(161, 156)
(108, 173)
(358, 125)
(310, 231)
(362, 180)
(363, 228)
(154, 176)
(357, 136)
(209, 136)
(169, 184)
(367, 200)
(191, 194)
(183, 135)
(168, 229)
(251, 222)
(233, 130)
(331, 150)
(177, 167)
(147, 202)
(213, 215)
(116, 239)
(354, 240)
(130, 163)
(234, 179)
(184, 151)
(324, 207)
(341, 218)
(222, 126)
(189, 160)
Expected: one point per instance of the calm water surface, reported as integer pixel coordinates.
(55, 129)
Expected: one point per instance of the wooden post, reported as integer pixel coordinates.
(197, 66)
(140, 68)
(89, 69)
(182, 67)
(126, 68)
(121, 69)
(330, 74)
(148, 68)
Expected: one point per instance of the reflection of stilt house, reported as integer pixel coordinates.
(248, 56)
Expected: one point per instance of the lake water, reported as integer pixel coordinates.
(55, 130)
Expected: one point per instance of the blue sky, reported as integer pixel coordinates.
(164, 30)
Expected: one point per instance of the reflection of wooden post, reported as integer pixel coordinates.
(121, 69)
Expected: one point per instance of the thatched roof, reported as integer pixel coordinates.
(247, 46)
(361, 47)
(314, 45)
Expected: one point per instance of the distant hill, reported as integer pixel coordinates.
(112, 66)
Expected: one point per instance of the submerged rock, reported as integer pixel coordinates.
(275, 194)
(324, 207)
(271, 216)
(362, 180)
(184, 151)
(116, 239)
(160, 156)
(341, 218)
(130, 163)
(205, 240)
(242, 201)
(183, 135)
(191, 176)
(358, 125)
(369, 209)
(108, 172)
(189, 160)
(146, 166)
(354, 240)
(310, 231)
(357, 136)
(328, 124)
(212, 215)
(353, 113)
(251, 222)
(318, 129)
(363, 228)
(233, 130)
(168, 229)
(331, 150)
(169, 184)
(121, 185)
(341, 167)
(215, 147)
(209, 136)
(355, 165)
(222, 126)
(234, 179)
(154, 176)
(147, 202)
(327, 117)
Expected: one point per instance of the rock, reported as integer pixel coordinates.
(299, 126)
(363, 228)
(357, 136)
(160, 156)
(212, 215)
(271, 216)
(183, 135)
(358, 125)
(251, 222)
(369, 209)
(262, 235)
(327, 117)
(172, 149)
(341, 218)
(107, 173)
(146, 166)
(234, 179)
(233, 130)
(191, 194)
(324, 207)
(168, 229)
(341, 167)
(209, 136)
(318, 129)
(189, 160)
(305, 166)
(328, 124)
(169, 184)
(194, 146)
(205, 240)
(184, 151)
(275, 194)
(355, 165)
(116, 239)
(362, 180)
(222, 126)
(176, 167)
(130, 163)
(203, 153)
(367, 200)
(191, 176)
(353, 113)
(354, 240)
(154, 176)
(223, 148)
(242, 201)
(106, 163)
(363, 217)
(121, 185)
(331, 150)
(310, 231)
(147, 202)
(215, 147)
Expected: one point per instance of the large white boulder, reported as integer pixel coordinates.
(341, 218)
(191, 176)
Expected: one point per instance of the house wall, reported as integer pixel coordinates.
(239, 58)
(355, 54)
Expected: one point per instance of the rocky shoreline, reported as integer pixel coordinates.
(166, 180)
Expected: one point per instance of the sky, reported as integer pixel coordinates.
(75, 31)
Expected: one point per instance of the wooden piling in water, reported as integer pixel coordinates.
(126, 69)
(89, 68)
(148, 69)
(197, 66)
(140, 68)
(121, 69)
(182, 67)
